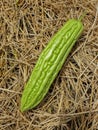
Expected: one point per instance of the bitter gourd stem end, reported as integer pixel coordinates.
(83, 15)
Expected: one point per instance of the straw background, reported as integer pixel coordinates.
(26, 27)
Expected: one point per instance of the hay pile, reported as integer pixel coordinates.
(25, 29)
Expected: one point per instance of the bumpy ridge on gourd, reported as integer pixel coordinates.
(50, 63)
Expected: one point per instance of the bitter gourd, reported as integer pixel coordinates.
(49, 64)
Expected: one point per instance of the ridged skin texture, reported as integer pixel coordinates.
(49, 64)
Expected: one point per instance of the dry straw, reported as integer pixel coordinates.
(25, 29)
